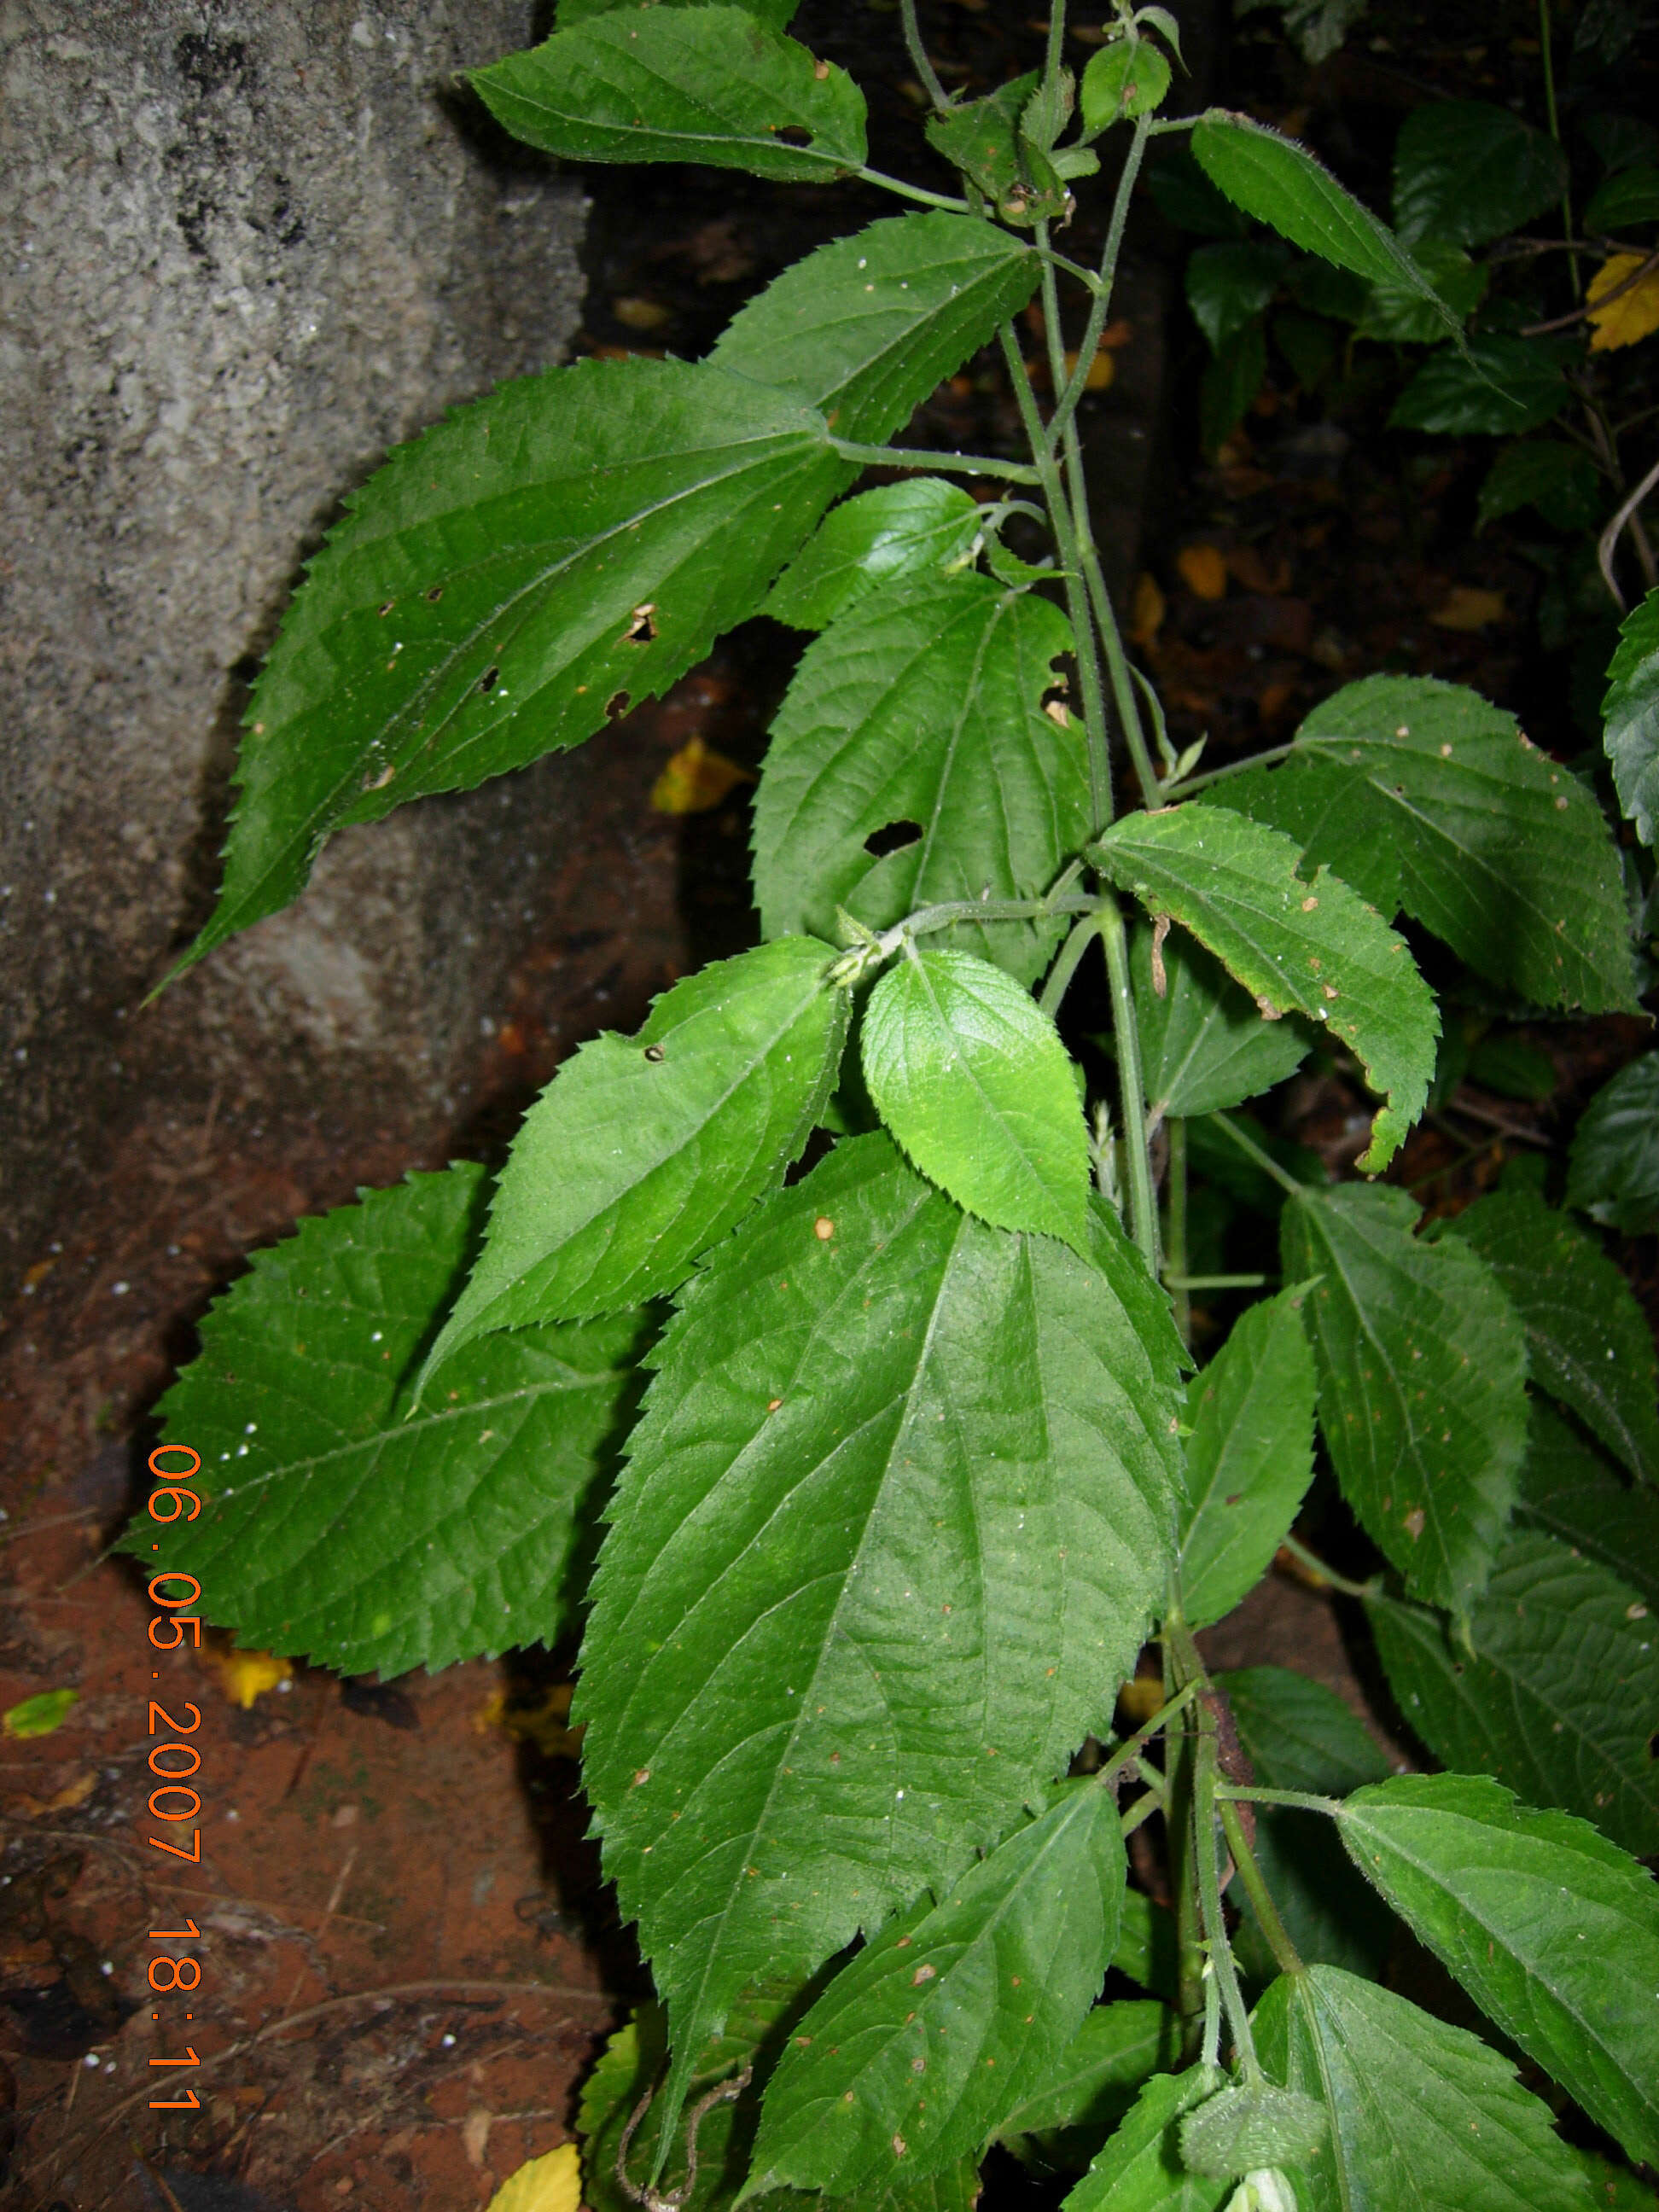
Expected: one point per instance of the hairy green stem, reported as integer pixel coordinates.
(1205, 1780)
(1182, 1675)
(1232, 1826)
(1546, 44)
(1131, 1749)
(1117, 661)
(1304, 1800)
(1142, 1205)
(1315, 1565)
(1065, 966)
(1265, 1161)
(908, 192)
(919, 456)
(918, 53)
(1191, 783)
(1177, 1279)
(1065, 401)
(1174, 1282)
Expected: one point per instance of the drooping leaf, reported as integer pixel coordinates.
(1204, 1045)
(1146, 1950)
(1405, 318)
(708, 84)
(1568, 1491)
(954, 2014)
(573, 543)
(914, 725)
(1468, 172)
(1555, 1693)
(1097, 2077)
(1630, 712)
(1560, 480)
(983, 139)
(1140, 2169)
(336, 1524)
(1311, 946)
(866, 327)
(1280, 184)
(1297, 1734)
(1249, 1455)
(973, 1082)
(1229, 284)
(921, 526)
(644, 1151)
(901, 1499)
(1553, 1930)
(1501, 387)
(1231, 379)
(1422, 795)
(1422, 1383)
(1628, 196)
(1612, 1170)
(1587, 1341)
(1424, 2117)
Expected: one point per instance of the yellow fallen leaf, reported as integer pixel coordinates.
(694, 779)
(1101, 369)
(245, 1676)
(636, 314)
(545, 1724)
(1203, 570)
(1634, 314)
(39, 1715)
(1469, 607)
(72, 1794)
(1147, 610)
(550, 2183)
(1139, 1699)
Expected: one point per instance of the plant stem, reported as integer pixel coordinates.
(1265, 1161)
(918, 53)
(919, 456)
(911, 191)
(1191, 783)
(1127, 1752)
(1174, 1282)
(1177, 1279)
(1065, 401)
(1066, 967)
(1266, 1911)
(1315, 1565)
(1546, 44)
(1142, 1205)
(1117, 661)
(1205, 1780)
(1303, 1800)
(1190, 1991)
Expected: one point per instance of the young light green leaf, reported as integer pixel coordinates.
(1424, 2117)
(1612, 1170)
(914, 726)
(1280, 184)
(867, 326)
(1249, 1455)
(921, 526)
(1308, 946)
(708, 84)
(573, 543)
(1123, 81)
(983, 139)
(1587, 1341)
(1203, 1045)
(1468, 172)
(1553, 1930)
(900, 1502)
(1140, 2169)
(1097, 2077)
(954, 2014)
(1568, 1491)
(1422, 795)
(1422, 1383)
(1562, 483)
(1230, 283)
(1631, 711)
(644, 1151)
(1499, 387)
(335, 1523)
(1554, 1694)
(1297, 1734)
(973, 1082)
(1250, 2124)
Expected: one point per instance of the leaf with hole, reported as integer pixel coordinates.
(913, 762)
(973, 1082)
(567, 546)
(341, 1523)
(1422, 1383)
(1631, 714)
(1613, 1170)
(900, 1502)
(708, 84)
(1204, 1044)
(1467, 171)
(1553, 1930)
(1310, 946)
(921, 527)
(1554, 1694)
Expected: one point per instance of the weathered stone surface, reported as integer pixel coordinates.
(248, 245)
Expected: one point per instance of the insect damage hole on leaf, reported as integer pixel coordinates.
(643, 624)
(892, 837)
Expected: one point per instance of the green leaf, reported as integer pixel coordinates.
(337, 1525)
(1562, 483)
(1095, 2078)
(1400, 314)
(1297, 1734)
(1308, 946)
(1146, 1945)
(1499, 387)
(644, 1151)
(919, 714)
(1553, 1931)
(1467, 171)
(1631, 711)
(1554, 1694)
(1204, 1045)
(1614, 2188)
(1250, 2124)
(1424, 2117)
(775, 14)
(1587, 1341)
(1422, 795)
(1185, 196)
(1280, 184)
(32, 1717)
(973, 1082)
(921, 527)
(1227, 285)
(900, 1502)
(1422, 1396)
(1230, 380)
(573, 543)
(954, 2014)
(1249, 1455)
(1510, 1066)
(1630, 196)
(983, 139)
(1568, 1491)
(1123, 81)
(866, 327)
(707, 84)
(1307, 343)
(1140, 2169)
(1613, 1170)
